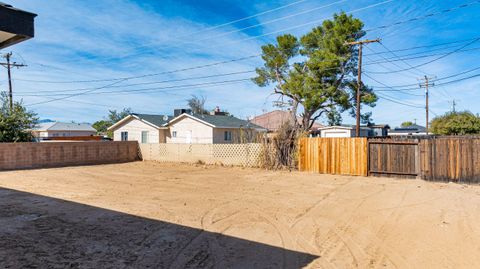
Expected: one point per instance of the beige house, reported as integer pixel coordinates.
(186, 128)
(143, 128)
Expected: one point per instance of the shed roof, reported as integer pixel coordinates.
(414, 128)
(65, 126)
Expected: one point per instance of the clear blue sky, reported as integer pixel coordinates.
(84, 41)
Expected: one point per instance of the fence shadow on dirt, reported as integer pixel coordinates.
(44, 232)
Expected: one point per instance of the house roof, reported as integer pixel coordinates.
(65, 126)
(273, 120)
(414, 128)
(157, 121)
(219, 121)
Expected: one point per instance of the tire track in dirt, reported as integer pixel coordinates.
(333, 243)
(300, 216)
(379, 249)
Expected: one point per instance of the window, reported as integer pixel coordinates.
(174, 134)
(144, 137)
(227, 136)
(124, 136)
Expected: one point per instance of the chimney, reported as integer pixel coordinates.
(179, 111)
(217, 112)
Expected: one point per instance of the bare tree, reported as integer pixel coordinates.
(197, 104)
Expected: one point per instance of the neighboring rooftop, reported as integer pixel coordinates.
(409, 129)
(273, 120)
(157, 120)
(64, 126)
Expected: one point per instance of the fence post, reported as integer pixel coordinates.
(368, 157)
(418, 160)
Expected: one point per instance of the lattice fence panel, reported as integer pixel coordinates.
(228, 154)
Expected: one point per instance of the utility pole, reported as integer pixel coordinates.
(454, 105)
(359, 78)
(426, 83)
(9, 65)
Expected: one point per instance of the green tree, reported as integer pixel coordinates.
(456, 123)
(113, 117)
(16, 125)
(334, 118)
(322, 79)
(406, 124)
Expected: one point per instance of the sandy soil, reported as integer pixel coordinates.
(141, 215)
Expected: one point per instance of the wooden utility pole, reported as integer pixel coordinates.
(9, 65)
(426, 83)
(359, 79)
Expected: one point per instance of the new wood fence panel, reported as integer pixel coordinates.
(451, 159)
(342, 156)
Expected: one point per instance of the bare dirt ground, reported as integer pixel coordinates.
(150, 215)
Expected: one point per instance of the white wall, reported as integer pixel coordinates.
(134, 127)
(336, 133)
(64, 133)
(199, 133)
(340, 132)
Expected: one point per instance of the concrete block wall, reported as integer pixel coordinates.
(58, 154)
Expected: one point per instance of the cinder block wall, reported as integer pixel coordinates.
(57, 154)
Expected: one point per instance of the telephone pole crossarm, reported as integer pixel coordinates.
(9, 66)
(426, 83)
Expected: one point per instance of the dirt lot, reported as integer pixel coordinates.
(140, 215)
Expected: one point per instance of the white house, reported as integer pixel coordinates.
(342, 131)
(144, 128)
(184, 128)
(63, 129)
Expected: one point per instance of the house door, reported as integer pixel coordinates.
(188, 139)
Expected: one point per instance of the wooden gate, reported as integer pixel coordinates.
(394, 157)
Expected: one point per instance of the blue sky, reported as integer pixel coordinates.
(83, 41)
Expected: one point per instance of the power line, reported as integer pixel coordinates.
(394, 59)
(425, 16)
(392, 99)
(146, 83)
(148, 75)
(270, 21)
(392, 89)
(218, 83)
(426, 46)
(428, 62)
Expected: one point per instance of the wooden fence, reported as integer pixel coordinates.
(431, 158)
(451, 159)
(343, 156)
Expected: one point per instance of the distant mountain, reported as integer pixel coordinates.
(45, 121)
